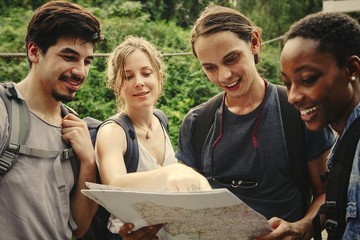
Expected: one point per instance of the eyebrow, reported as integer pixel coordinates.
(230, 53)
(301, 68)
(72, 51)
(227, 55)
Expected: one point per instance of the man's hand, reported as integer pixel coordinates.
(76, 133)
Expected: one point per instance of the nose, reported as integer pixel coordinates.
(295, 95)
(224, 74)
(80, 70)
(139, 81)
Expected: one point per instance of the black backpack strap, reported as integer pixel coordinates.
(163, 118)
(338, 181)
(93, 125)
(98, 228)
(294, 129)
(19, 122)
(203, 123)
(131, 157)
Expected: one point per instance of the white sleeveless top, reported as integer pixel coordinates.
(146, 163)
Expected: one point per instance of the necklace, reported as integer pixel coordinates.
(147, 136)
(257, 121)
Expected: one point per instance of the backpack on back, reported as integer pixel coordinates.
(98, 228)
(337, 179)
(293, 129)
(19, 128)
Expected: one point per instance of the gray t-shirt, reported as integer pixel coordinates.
(234, 156)
(31, 205)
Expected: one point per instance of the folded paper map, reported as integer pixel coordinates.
(202, 215)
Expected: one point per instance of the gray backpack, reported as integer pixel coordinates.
(19, 127)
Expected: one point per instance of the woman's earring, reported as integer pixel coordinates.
(353, 78)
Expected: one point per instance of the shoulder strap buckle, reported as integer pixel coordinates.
(330, 205)
(67, 153)
(331, 225)
(6, 161)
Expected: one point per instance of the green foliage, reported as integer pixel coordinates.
(166, 24)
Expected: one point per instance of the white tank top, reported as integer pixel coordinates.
(146, 163)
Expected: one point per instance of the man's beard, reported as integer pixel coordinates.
(62, 98)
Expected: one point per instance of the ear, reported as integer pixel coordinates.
(255, 42)
(353, 68)
(33, 52)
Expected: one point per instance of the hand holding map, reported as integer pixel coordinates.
(203, 215)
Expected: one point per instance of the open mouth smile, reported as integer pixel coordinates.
(309, 111)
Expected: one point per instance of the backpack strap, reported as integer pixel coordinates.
(131, 157)
(163, 118)
(294, 129)
(18, 126)
(206, 118)
(338, 181)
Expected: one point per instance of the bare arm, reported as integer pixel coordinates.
(111, 147)
(83, 209)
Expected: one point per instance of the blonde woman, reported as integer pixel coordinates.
(136, 77)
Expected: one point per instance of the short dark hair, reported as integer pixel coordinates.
(336, 33)
(58, 19)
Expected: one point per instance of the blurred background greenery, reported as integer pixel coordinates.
(167, 24)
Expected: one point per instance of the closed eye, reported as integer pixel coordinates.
(233, 59)
(129, 77)
(209, 68)
(69, 58)
(287, 84)
(310, 80)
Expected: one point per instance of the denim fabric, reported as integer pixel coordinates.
(352, 230)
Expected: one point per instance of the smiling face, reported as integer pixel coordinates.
(63, 68)
(141, 86)
(317, 86)
(228, 61)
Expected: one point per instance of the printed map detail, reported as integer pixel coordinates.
(203, 215)
(235, 222)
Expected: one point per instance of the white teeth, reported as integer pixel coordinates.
(74, 83)
(141, 94)
(310, 110)
(232, 84)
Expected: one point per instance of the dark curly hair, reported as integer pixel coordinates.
(336, 33)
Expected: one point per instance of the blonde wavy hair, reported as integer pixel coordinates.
(116, 65)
